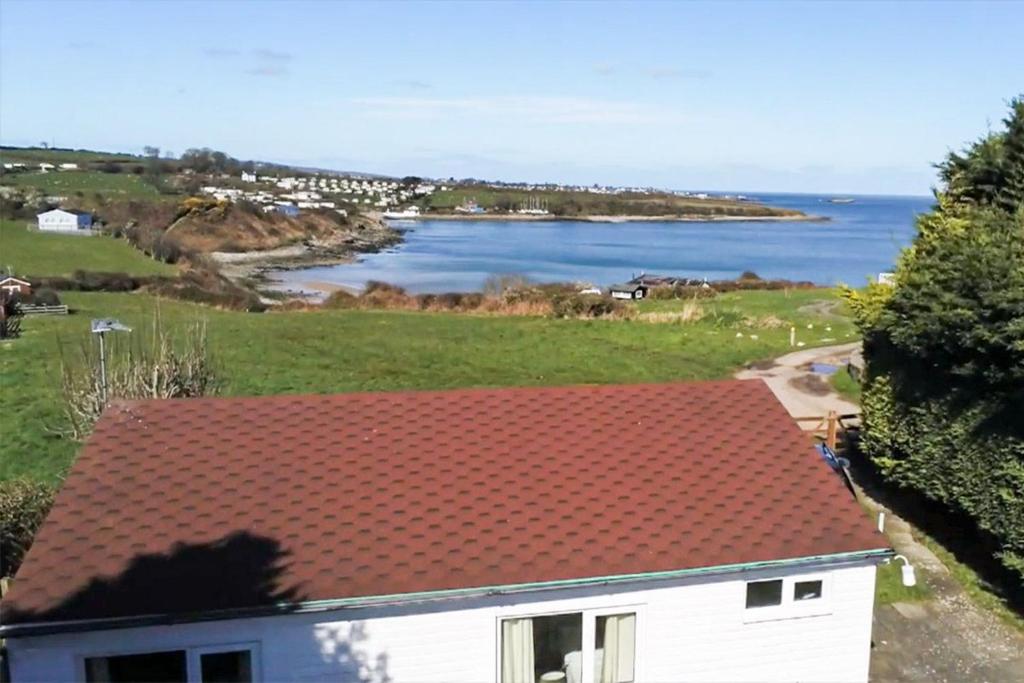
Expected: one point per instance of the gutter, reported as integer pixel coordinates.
(877, 555)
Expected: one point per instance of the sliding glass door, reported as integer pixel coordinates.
(556, 648)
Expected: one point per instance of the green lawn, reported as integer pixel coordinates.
(30, 252)
(63, 183)
(770, 314)
(889, 586)
(331, 351)
(846, 385)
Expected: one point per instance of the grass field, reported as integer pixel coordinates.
(63, 183)
(331, 351)
(889, 586)
(57, 156)
(30, 252)
(846, 385)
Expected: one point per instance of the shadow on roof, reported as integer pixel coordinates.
(238, 571)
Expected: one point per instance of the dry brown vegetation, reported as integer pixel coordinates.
(557, 301)
(147, 364)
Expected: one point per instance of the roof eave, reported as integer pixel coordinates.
(311, 606)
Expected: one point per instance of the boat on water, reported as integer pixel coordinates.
(841, 200)
(411, 212)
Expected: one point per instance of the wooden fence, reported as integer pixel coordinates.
(831, 428)
(43, 310)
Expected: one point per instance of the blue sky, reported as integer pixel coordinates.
(750, 96)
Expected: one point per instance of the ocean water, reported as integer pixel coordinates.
(861, 240)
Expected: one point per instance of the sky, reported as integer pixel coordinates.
(751, 96)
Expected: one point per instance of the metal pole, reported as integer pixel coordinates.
(103, 371)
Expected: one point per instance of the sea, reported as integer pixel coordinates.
(860, 240)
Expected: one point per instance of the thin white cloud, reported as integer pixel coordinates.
(272, 55)
(536, 109)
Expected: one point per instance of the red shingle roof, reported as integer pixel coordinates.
(202, 504)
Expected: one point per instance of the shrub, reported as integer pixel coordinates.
(383, 287)
(157, 364)
(45, 297)
(497, 285)
(341, 299)
(944, 349)
(92, 281)
(23, 506)
(583, 306)
(207, 287)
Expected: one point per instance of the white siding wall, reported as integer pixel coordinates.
(697, 630)
(63, 221)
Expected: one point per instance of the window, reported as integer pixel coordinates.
(226, 667)
(764, 593)
(535, 647)
(792, 597)
(223, 664)
(614, 649)
(807, 590)
(140, 668)
(551, 647)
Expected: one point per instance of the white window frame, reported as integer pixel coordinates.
(195, 667)
(193, 672)
(789, 608)
(589, 632)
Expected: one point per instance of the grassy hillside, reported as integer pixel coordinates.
(588, 203)
(37, 155)
(331, 351)
(66, 183)
(30, 252)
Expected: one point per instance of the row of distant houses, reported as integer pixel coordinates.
(322, 192)
(43, 167)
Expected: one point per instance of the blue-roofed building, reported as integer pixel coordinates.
(288, 210)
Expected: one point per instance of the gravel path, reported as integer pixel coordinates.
(803, 392)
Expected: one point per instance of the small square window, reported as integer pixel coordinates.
(806, 590)
(150, 666)
(226, 667)
(764, 593)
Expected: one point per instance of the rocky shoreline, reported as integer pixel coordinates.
(367, 235)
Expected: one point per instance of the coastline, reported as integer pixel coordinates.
(368, 235)
(257, 268)
(671, 218)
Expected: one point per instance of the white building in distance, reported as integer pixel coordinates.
(64, 220)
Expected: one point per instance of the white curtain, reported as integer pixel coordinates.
(517, 651)
(619, 646)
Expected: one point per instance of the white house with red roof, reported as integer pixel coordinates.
(505, 535)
